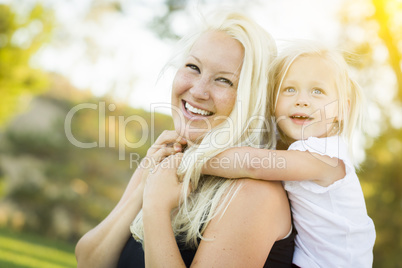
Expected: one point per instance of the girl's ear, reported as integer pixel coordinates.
(347, 110)
(335, 128)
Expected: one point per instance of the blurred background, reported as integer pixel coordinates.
(78, 94)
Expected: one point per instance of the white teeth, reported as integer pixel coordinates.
(300, 116)
(196, 110)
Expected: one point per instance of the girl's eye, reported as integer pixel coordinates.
(193, 67)
(290, 90)
(224, 80)
(318, 91)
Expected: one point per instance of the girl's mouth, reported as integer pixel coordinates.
(300, 119)
(195, 111)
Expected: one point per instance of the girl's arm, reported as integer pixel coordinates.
(241, 236)
(275, 165)
(102, 246)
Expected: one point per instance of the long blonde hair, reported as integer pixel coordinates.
(350, 96)
(247, 125)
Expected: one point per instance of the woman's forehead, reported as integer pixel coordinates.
(218, 48)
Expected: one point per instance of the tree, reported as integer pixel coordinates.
(378, 21)
(20, 37)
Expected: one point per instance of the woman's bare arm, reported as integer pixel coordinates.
(161, 195)
(102, 246)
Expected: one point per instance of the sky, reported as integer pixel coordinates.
(117, 53)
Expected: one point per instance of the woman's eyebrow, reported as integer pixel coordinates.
(221, 72)
(197, 59)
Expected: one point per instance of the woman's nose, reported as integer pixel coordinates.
(200, 89)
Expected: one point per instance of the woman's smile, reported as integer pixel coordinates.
(193, 112)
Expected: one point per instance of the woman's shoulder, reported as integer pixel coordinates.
(264, 196)
(267, 190)
(249, 225)
(261, 204)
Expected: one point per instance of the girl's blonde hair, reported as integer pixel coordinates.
(350, 95)
(247, 125)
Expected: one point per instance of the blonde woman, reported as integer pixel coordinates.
(182, 218)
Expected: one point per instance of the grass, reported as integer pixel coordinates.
(27, 250)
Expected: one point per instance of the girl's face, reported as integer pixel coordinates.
(307, 103)
(205, 86)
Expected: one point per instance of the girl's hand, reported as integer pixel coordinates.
(162, 191)
(168, 143)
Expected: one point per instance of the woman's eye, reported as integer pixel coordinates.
(224, 80)
(193, 67)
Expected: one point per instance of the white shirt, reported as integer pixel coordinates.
(333, 227)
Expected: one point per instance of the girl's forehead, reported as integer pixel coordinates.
(311, 70)
(307, 64)
(312, 59)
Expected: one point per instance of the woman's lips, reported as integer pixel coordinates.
(192, 112)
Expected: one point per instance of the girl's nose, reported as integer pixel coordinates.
(302, 103)
(200, 89)
(302, 100)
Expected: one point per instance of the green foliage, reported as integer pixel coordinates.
(56, 188)
(20, 37)
(387, 14)
(382, 184)
(380, 176)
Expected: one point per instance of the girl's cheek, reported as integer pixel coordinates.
(331, 112)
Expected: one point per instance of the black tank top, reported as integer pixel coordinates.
(281, 254)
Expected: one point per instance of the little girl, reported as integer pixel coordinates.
(317, 108)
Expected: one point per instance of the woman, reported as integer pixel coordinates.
(219, 100)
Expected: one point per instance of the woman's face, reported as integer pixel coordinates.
(205, 86)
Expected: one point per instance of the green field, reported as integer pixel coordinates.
(27, 250)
